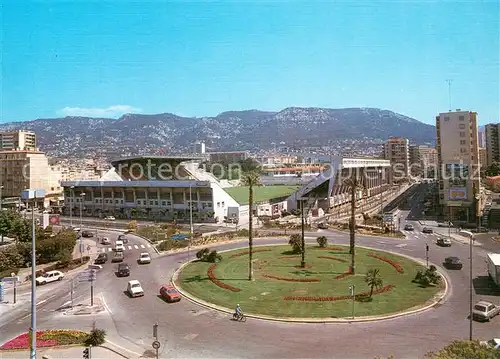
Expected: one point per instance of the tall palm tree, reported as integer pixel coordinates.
(354, 184)
(373, 279)
(250, 179)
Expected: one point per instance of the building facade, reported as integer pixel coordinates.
(227, 157)
(397, 151)
(483, 157)
(18, 140)
(423, 161)
(492, 143)
(460, 192)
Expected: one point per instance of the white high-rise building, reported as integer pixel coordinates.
(199, 147)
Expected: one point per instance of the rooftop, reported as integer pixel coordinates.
(260, 194)
(153, 157)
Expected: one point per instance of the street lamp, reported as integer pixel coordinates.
(71, 192)
(190, 221)
(82, 197)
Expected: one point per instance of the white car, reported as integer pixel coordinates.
(492, 343)
(144, 258)
(109, 218)
(48, 277)
(119, 247)
(105, 240)
(134, 289)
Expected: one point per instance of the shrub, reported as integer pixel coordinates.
(296, 243)
(213, 257)
(427, 278)
(132, 225)
(202, 253)
(322, 241)
(242, 232)
(96, 337)
(169, 244)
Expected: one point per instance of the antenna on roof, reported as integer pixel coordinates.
(449, 81)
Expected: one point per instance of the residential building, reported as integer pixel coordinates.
(492, 143)
(397, 151)
(18, 140)
(423, 160)
(483, 157)
(481, 137)
(199, 147)
(460, 192)
(227, 157)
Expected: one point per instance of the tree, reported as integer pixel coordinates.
(296, 243)
(354, 185)
(322, 241)
(373, 279)
(5, 225)
(493, 170)
(427, 278)
(465, 349)
(250, 179)
(132, 225)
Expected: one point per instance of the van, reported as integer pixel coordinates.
(119, 247)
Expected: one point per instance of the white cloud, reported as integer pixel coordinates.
(111, 111)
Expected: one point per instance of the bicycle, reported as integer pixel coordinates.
(239, 317)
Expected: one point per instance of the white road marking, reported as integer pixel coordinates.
(191, 336)
(105, 304)
(130, 247)
(136, 247)
(401, 245)
(142, 246)
(149, 245)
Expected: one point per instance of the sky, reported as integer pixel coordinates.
(107, 58)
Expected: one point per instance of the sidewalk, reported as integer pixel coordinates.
(64, 353)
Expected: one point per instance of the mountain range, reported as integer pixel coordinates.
(232, 130)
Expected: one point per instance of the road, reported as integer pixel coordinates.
(189, 331)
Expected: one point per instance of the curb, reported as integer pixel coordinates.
(438, 299)
(114, 350)
(371, 235)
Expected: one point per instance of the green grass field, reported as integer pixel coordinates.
(265, 295)
(261, 193)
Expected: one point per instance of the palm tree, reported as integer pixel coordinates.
(250, 179)
(373, 280)
(354, 185)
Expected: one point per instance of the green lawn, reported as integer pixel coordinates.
(265, 295)
(261, 194)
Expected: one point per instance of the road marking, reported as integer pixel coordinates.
(142, 246)
(191, 336)
(130, 247)
(401, 245)
(149, 245)
(136, 247)
(105, 304)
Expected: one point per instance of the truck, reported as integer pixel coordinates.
(493, 260)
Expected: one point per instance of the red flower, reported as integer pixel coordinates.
(312, 280)
(211, 276)
(333, 258)
(396, 265)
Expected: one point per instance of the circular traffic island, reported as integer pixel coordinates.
(383, 282)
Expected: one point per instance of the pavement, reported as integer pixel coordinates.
(187, 330)
(63, 353)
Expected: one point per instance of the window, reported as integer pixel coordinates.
(218, 204)
(461, 118)
(222, 204)
(446, 118)
(163, 203)
(463, 150)
(461, 126)
(462, 142)
(462, 134)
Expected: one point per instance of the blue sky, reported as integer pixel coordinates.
(202, 58)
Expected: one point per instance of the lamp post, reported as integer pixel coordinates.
(71, 192)
(381, 194)
(477, 196)
(303, 254)
(82, 197)
(191, 232)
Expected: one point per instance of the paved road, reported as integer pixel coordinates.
(187, 330)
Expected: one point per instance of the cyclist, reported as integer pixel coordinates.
(238, 311)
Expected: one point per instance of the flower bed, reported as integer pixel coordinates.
(46, 338)
(332, 249)
(396, 265)
(311, 280)
(247, 252)
(289, 257)
(343, 275)
(211, 276)
(333, 258)
(384, 289)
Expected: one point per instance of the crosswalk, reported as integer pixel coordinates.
(127, 247)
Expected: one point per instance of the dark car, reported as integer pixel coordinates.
(87, 234)
(409, 227)
(443, 242)
(122, 238)
(101, 258)
(452, 263)
(117, 257)
(322, 226)
(123, 270)
(427, 230)
(169, 293)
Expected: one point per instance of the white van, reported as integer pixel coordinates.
(119, 247)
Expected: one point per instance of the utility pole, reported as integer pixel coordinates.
(33, 285)
(303, 241)
(191, 232)
(71, 192)
(352, 289)
(156, 343)
(449, 81)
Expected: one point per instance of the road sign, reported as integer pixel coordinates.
(156, 345)
(10, 279)
(88, 248)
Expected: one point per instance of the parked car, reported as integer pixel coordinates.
(134, 289)
(443, 242)
(87, 234)
(118, 257)
(105, 240)
(169, 293)
(492, 343)
(101, 258)
(409, 227)
(452, 263)
(427, 230)
(119, 247)
(109, 218)
(484, 311)
(144, 258)
(445, 224)
(123, 270)
(48, 277)
(322, 226)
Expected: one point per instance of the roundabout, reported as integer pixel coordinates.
(320, 291)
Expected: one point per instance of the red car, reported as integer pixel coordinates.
(169, 293)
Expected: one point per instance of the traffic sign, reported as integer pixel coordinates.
(156, 345)
(10, 279)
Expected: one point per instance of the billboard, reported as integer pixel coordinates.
(458, 194)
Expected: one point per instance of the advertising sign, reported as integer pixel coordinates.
(458, 194)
